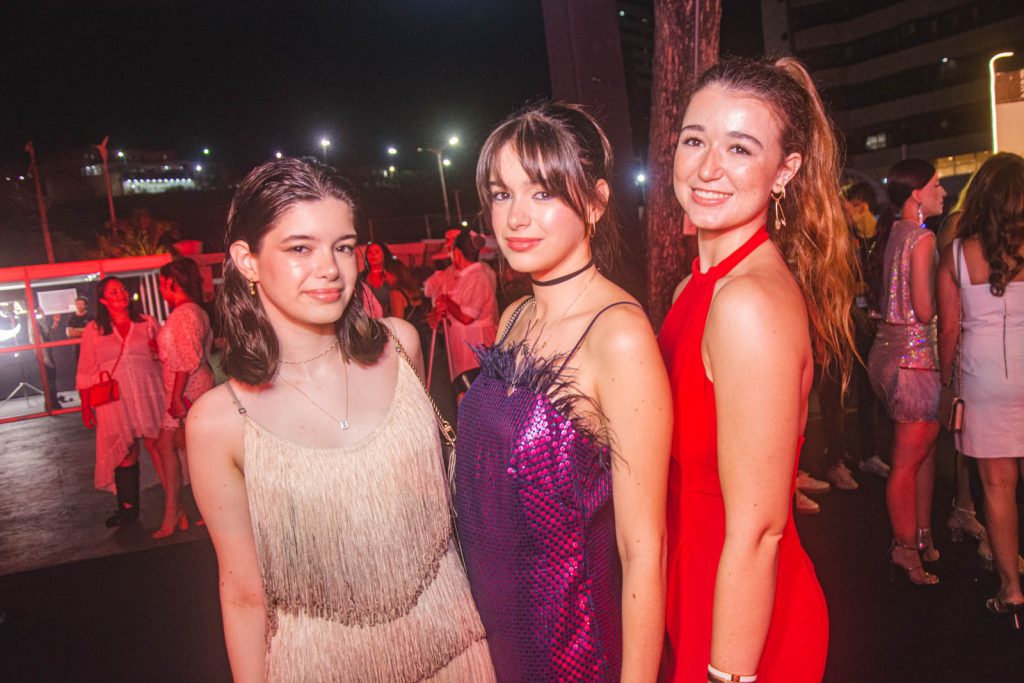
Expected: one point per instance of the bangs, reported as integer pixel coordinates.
(545, 156)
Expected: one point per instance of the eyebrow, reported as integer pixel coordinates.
(732, 133)
(495, 182)
(310, 238)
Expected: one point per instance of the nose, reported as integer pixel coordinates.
(327, 264)
(710, 165)
(518, 215)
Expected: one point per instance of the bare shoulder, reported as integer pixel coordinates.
(509, 310)
(756, 309)
(680, 287)
(407, 334)
(214, 420)
(622, 329)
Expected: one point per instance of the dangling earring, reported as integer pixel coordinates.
(252, 287)
(920, 214)
(780, 217)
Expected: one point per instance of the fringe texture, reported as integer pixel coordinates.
(360, 575)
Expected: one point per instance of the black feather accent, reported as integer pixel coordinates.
(517, 365)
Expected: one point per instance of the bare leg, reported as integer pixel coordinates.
(132, 457)
(172, 482)
(913, 443)
(926, 485)
(999, 477)
(964, 499)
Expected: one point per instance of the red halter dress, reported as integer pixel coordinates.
(797, 642)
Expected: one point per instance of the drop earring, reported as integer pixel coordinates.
(252, 287)
(920, 214)
(780, 217)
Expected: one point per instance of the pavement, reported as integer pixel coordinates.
(79, 602)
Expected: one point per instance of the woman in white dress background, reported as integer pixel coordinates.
(980, 287)
(122, 342)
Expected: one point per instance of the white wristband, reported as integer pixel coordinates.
(730, 678)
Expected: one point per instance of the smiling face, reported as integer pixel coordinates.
(115, 297)
(537, 232)
(930, 197)
(306, 266)
(728, 160)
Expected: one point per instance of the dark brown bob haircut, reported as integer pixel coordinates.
(252, 350)
(562, 149)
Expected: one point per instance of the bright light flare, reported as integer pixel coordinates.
(453, 140)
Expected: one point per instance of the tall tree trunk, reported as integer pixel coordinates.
(686, 36)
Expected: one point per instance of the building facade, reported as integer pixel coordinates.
(903, 78)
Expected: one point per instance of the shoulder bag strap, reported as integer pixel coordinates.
(958, 254)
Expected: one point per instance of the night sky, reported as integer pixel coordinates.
(248, 78)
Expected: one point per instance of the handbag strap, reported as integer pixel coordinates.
(124, 343)
(447, 431)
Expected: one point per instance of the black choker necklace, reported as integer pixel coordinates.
(564, 278)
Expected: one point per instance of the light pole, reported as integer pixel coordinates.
(325, 143)
(44, 224)
(441, 163)
(992, 94)
(102, 147)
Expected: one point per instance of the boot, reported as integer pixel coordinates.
(126, 482)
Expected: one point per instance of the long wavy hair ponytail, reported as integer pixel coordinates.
(816, 242)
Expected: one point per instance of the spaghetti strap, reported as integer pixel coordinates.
(593, 320)
(512, 320)
(234, 398)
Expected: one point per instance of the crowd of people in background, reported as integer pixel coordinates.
(612, 485)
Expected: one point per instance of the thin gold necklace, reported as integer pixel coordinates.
(311, 358)
(343, 423)
(544, 326)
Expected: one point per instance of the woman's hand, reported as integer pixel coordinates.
(177, 409)
(88, 417)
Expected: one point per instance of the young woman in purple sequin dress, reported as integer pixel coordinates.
(561, 473)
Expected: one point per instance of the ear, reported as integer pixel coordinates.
(789, 167)
(604, 192)
(245, 260)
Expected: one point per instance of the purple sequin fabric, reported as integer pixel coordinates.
(534, 505)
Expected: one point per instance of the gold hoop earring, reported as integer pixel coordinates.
(591, 230)
(780, 216)
(252, 287)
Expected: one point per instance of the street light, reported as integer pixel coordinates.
(206, 151)
(441, 163)
(992, 94)
(641, 180)
(325, 143)
(392, 151)
(278, 155)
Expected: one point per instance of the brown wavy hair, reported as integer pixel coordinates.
(252, 350)
(816, 241)
(994, 211)
(564, 150)
(185, 274)
(903, 178)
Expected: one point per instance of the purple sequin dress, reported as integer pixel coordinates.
(534, 504)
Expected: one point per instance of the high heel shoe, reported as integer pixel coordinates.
(1015, 609)
(916, 572)
(181, 524)
(964, 521)
(926, 546)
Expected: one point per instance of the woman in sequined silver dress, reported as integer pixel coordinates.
(903, 365)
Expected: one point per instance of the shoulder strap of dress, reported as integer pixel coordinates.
(960, 262)
(234, 398)
(593, 320)
(512, 320)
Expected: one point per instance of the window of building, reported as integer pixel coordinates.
(876, 141)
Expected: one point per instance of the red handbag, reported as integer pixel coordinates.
(106, 390)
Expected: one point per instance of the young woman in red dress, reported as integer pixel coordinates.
(755, 149)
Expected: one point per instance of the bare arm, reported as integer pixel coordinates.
(397, 302)
(948, 291)
(758, 353)
(633, 393)
(922, 278)
(215, 460)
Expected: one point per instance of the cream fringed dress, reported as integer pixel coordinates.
(361, 577)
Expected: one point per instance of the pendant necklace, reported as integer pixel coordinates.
(560, 318)
(343, 423)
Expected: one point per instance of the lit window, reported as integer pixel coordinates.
(876, 141)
